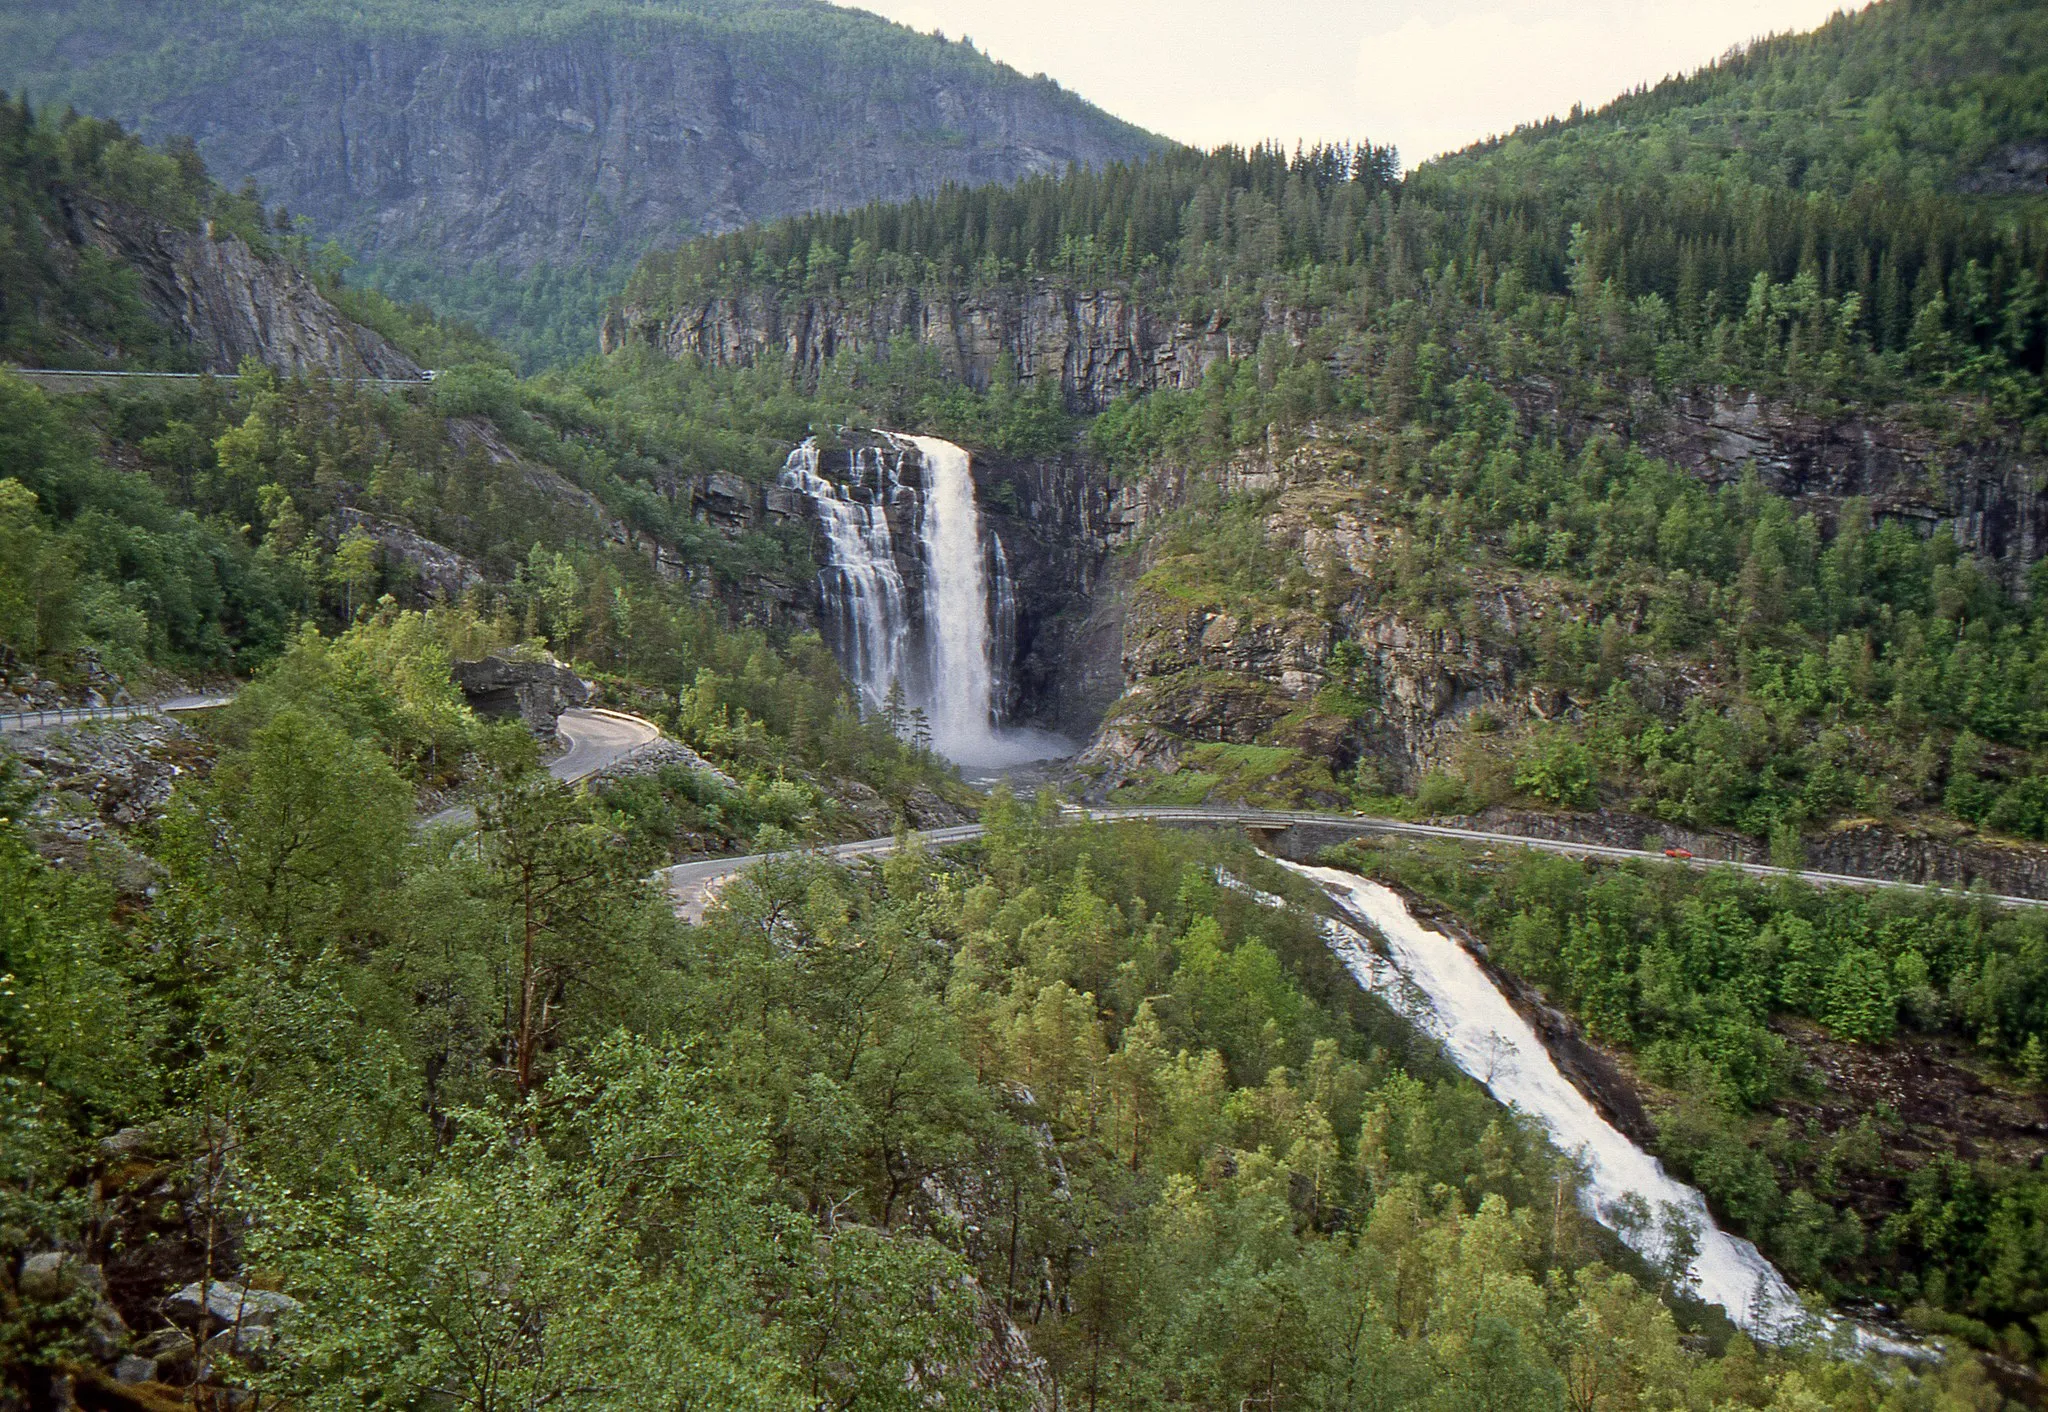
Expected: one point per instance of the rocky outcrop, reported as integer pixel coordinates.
(227, 303)
(433, 570)
(537, 690)
(96, 785)
(2019, 168)
(651, 759)
(577, 139)
(1062, 524)
(1098, 343)
(1971, 481)
(1906, 853)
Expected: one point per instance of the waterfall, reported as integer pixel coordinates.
(1436, 983)
(947, 645)
(956, 605)
(860, 588)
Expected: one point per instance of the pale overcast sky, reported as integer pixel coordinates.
(1429, 77)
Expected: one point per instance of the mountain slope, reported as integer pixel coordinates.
(1534, 382)
(115, 255)
(430, 140)
(1669, 476)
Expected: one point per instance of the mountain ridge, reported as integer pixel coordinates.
(515, 142)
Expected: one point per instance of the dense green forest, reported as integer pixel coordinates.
(1066, 1116)
(856, 1123)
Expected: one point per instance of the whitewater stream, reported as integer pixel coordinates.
(1440, 986)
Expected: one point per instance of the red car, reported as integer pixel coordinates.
(1678, 853)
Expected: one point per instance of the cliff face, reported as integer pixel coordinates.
(1973, 483)
(1097, 342)
(1062, 524)
(225, 302)
(581, 143)
(1203, 667)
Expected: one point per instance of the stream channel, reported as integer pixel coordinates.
(1441, 988)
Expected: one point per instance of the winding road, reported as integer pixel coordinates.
(693, 887)
(595, 739)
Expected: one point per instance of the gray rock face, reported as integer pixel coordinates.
(434, 568)
(537, 691)
(652, 759)
(2021, 167)
(1976, 483)
(583, 141)
(230, 303)
(131, 1369)
(1097, 342)
(229, 1304)
(1060, 522)
(58, 1274)
(1101, 343)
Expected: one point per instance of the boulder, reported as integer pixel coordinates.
(246, 1343)
(58, 1274)
(229, 1304)
(167, 1349)
(128, 1143)
(107, 1334)
(536, 690)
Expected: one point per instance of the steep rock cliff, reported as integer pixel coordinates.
(1208, 668)
(224, 302)
(1972, 476)
(1098, 343)
(494, 132)
(1973, 479)
(1063, 526)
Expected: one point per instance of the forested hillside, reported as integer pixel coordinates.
(1663, 475)
(1670, 473)
(507, 160)
(1606, 455)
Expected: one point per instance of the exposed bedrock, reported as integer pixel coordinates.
(536, 690)
(227, 302)
(1059, 523)
(1972, 481)
(1098, 343)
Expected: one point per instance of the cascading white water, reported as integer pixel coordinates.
(1438, 985)
(946, 661)
(860, 586)
(956, 605)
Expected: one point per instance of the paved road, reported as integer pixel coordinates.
(73, 715)
(596, 739)
(694, 886)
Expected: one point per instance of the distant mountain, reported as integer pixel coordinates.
(534, 140)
